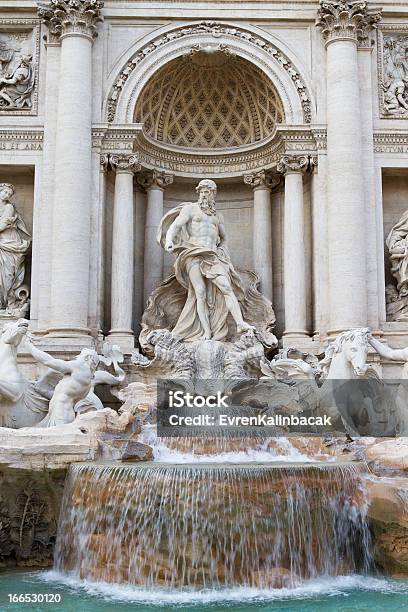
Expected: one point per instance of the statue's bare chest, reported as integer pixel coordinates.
(204, 223)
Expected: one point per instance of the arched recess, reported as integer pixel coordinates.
(142, 61)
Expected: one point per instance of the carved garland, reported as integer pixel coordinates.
(216, 30)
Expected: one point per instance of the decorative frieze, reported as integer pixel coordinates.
(393, 71)
(342, 19)
(293, 163)
(71, 16)
(391, 143)
(216, 30)
(19, 61)
(21, 140)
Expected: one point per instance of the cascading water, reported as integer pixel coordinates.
(206, 526)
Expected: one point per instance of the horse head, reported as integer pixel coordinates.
(13, 333)
(353, 346)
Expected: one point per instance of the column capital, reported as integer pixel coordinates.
(104, 162)
(346, 20)
(155, 179)
(65, 17)
(290, 164)
(262, 180)
(124, 163)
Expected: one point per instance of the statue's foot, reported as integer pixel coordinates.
(244, 327)
(207, 335)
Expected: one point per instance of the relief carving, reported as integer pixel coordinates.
(393, 74)
(18, 57)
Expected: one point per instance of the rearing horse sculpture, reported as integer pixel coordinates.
(353, 408)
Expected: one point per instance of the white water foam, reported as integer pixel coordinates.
(262, 454)
(329, 586)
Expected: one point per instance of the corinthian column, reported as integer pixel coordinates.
(343, 24)
(123, 252)
(294, 267)
(74, 23)
(262, 183)
(154, 182)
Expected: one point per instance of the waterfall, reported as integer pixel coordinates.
(208, 526)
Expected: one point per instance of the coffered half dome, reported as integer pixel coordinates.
(209, 100)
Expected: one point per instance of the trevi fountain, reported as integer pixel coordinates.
(203, 200)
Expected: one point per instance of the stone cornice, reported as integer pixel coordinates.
(65, 17)
(20, 139)
(391, 142)
(115, 139)
(342, 19)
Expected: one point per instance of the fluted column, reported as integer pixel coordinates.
(155, 183)
(343, 24)
(45, 229)
(75, 24)
(121, 332)
(294, 267)
(103, 172)
(262, 184)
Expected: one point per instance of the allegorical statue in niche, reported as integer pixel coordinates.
(206, 296)
(15, 241)
(16, 88)
(397, 244)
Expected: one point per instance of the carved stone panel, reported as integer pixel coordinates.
(393, 71)
(19, 60)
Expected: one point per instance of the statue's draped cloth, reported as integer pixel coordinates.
(173, 305)
(14, 243)
(399, 263)
(212, 264)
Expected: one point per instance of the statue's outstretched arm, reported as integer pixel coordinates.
(105, 378)
(64, 367)
(388, 352)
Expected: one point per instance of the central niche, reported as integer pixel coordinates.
(209, 100)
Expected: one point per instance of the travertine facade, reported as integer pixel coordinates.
(111, 112)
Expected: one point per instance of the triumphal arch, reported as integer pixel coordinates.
(112, 112)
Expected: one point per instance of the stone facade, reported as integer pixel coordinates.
(111, 112)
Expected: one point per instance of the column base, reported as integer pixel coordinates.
(299, 339)
(332, 333)
(124, 339)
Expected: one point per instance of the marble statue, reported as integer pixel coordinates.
(401, 399)
(357, 409)
(22, 403)
(15, 241)
(195, 232)
(76, 383)
(112, 356)
(206, 298)
(75, 390)
(392, 354)
(397, 244)
(16, 88)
